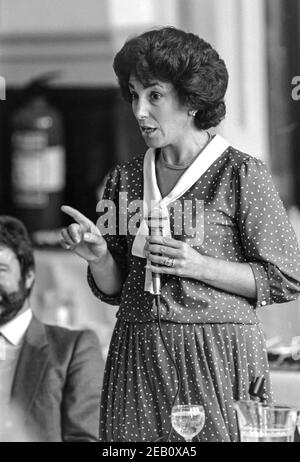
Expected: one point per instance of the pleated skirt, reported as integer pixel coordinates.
(216, 363)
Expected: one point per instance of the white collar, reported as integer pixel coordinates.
(202, 162)
(152, 197)
(15, 329)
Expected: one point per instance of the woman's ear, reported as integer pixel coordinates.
(29, 279)
(192, 112)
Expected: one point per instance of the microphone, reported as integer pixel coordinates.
(155, 225)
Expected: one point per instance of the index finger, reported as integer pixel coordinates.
(78, 216)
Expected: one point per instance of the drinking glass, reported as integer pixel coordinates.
(188, 420)
(259, 423)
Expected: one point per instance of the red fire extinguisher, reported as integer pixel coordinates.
(37, 160)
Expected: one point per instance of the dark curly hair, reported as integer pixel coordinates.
(14, 235)
(172, 55)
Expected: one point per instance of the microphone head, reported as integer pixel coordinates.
(156, 222)
(155, 225)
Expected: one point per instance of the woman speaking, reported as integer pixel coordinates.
(243, 253)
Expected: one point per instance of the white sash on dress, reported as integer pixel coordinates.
(153, 200)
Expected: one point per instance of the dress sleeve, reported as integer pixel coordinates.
(268, 239)
(116, 243)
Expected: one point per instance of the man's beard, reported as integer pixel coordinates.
(12, 303)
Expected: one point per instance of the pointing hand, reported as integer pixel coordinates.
(83, 237)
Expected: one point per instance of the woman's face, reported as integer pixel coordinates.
(162, 119)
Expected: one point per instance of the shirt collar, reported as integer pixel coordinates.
(15, 329)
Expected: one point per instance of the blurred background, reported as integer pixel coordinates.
(63, 126)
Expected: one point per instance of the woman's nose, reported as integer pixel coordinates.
(141, 109)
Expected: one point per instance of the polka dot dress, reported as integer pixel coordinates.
(214, 336)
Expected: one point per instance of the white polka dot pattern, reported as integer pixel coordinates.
(244, 221)
(216, 363)
(214, 335)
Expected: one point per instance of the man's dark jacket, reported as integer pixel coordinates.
(57, 383)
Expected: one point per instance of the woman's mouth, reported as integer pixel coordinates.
(147, 131)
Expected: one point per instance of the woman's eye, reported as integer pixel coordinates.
(134, 96)
(155, 96)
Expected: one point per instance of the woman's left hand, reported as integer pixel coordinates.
(173, 257)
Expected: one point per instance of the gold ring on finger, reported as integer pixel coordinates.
(169, 262)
